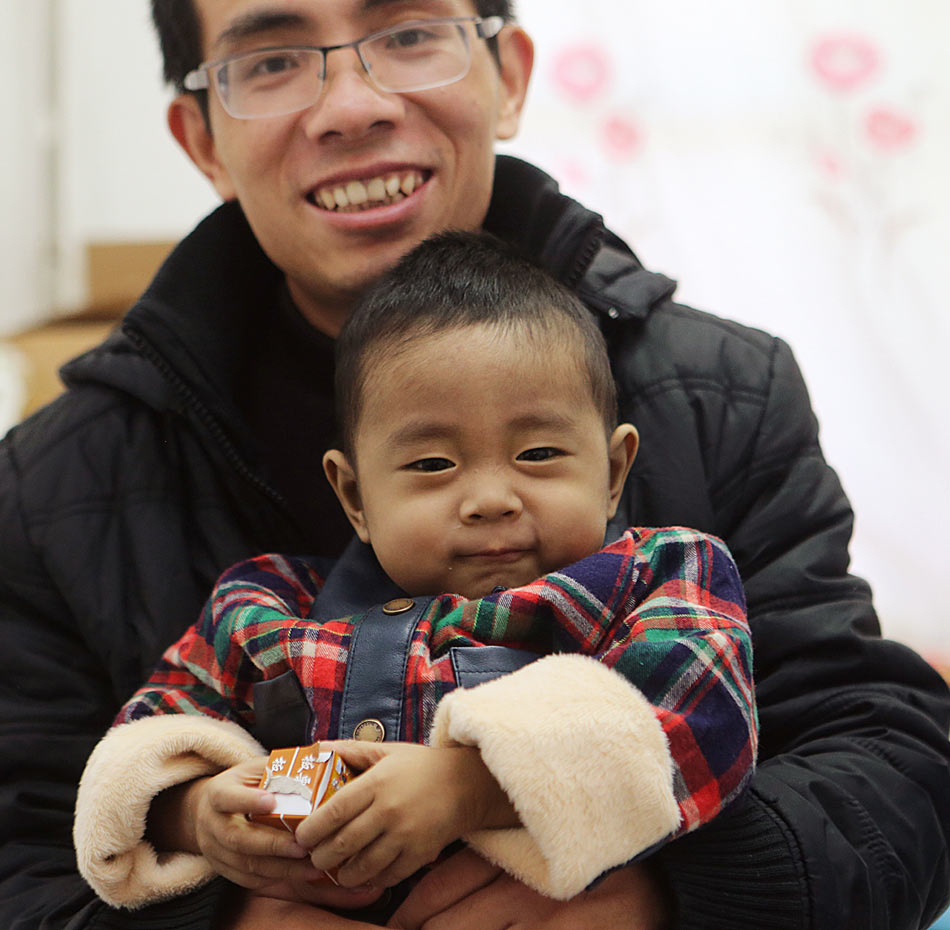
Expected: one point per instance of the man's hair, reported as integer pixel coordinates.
(456, 280)
(179, 36)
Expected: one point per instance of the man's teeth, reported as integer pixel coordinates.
(364, 195)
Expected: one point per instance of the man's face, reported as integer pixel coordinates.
(438, 143)
(481, 460)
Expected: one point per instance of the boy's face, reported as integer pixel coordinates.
(481, 461)
(278, 167)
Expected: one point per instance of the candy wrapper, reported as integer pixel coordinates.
(301, 778)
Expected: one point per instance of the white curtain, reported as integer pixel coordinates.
(788, 162)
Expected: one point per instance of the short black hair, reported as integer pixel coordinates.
(455, 280)
(179, 36)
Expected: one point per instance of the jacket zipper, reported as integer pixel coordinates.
(204, 416)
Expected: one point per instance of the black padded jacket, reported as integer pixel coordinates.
(123, 500)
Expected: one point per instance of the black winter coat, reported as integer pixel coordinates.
(122, 501)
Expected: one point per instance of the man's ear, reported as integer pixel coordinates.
(516, 57)
(189, 127)
(622, 449)
(342, 479)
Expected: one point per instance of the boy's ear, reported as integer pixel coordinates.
(516, 59)
(622, 449)
(189, 127)
(342, 479)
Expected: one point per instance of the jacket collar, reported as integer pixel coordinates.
(356, 583)
(198, 315)
(571, 242)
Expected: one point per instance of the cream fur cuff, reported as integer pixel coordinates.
(129, 767)
(583, 759)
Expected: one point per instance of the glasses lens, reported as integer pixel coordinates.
(270, 82)
(417, 57)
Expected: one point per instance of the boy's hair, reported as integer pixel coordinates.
(179, 36)
(455, 280)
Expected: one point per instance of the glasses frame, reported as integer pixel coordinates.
(206, 74)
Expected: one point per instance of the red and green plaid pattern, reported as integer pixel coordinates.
(664, 607)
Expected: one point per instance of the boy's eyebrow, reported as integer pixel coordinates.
(547, 420)
(422, 430)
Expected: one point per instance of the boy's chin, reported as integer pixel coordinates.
(496, 585)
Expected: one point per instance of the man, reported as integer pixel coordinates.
(173, 456)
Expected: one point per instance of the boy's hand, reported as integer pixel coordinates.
(402, 812)
(253, 855)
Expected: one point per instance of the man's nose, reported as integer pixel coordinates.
(490, 497)
(350, 104)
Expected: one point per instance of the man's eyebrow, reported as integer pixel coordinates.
(257, 23)
(367, 6)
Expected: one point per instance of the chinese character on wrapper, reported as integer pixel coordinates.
(301, 778)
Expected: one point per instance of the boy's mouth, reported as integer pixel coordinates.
(505, 554)
(368, 193)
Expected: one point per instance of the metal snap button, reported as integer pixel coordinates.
(398, 605)
(370, 731)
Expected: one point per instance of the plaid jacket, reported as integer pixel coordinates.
(662, 607)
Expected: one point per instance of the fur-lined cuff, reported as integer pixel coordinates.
(129, 767)
(583, 759)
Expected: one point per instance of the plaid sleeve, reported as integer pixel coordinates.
(253, 610)
(664, 608)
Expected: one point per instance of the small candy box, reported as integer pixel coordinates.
(301, 778)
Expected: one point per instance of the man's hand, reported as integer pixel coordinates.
(466, 893)
(410, 803)
(255, 912)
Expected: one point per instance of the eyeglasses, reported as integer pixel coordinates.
(409, 57)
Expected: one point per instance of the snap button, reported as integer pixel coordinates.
(398, 605)
(370, 731)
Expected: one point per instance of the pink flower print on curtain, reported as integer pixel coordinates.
(890, 130)
(622, 137)
(582, 73)
(845, 62)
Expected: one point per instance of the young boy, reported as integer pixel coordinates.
(480, 456)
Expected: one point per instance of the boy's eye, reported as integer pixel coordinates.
(431, 464)
(541, 454)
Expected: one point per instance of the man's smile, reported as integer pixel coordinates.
(369, 193)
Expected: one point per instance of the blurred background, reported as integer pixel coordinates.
(785, 160)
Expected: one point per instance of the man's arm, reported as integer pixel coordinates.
(467, 893)
(187, 722)
(56, 700)
(847, 818)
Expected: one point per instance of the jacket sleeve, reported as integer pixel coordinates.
(56, 700)
(649, 735)
(129, 767)
(847, 817)
(186, 721)
(212, 668)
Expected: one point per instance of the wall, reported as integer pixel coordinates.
(785, 161)
(25, 153)
(122, 175)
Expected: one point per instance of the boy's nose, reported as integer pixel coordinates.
(490, 499)
(482, 507)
